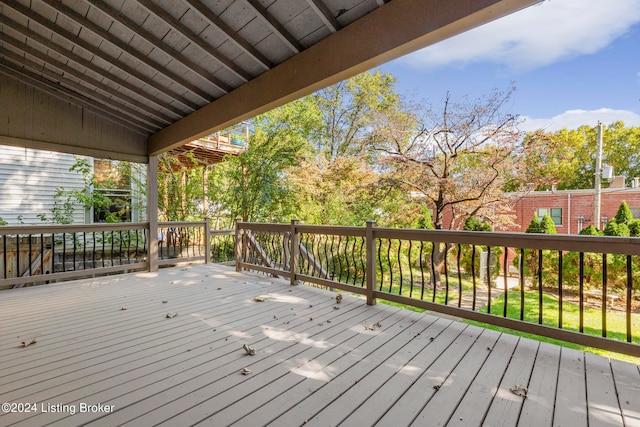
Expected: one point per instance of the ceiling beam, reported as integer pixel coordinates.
(400, 27)
(239, 41)
(79, 42)
(195, 39)
(325, 15)
(139, 31)
(275, 26)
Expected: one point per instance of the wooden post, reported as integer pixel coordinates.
(294, 251)
(152, 211)
(370, 272)
(238, 243)
(207, 240)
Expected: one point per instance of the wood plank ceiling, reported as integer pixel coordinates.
(153, 65)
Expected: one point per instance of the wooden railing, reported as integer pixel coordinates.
(580, 289)
(32, 255)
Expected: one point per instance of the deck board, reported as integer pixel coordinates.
(317, 362)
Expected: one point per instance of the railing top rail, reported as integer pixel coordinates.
(180, 223)
(70, 228)
(261, 226)
(562, 242)
(331, 230)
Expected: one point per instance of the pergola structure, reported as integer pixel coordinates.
(131, 79)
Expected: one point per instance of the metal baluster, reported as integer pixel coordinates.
(400, 265)
(30, 256)
(446, 275)
(433, 271)
(389, 262)
(604, 295)
(560, 289)
(521, 274)
(581, 292)
(629, 295)
(540, 286)
(459, 275)
(505, 267)
(421, 270)
(380, 264)
(410, 271)
(489, 279)
(363, 254)
(473, 276)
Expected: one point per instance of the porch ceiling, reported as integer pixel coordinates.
(176, 70)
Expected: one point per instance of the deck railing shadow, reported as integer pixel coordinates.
(580, 289)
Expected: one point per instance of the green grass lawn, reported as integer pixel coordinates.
(616, 320)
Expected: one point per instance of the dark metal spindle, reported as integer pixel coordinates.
(30, 256)
(604, 295)
(540, 286)
(488, 279)
(400, 265)
(410, 270)
(434, 277)
(581, 267)
(629, 295)
(421, 270)
(560, 289)
(390, 265)
(505, 267)
(459, 254)
(446, 275)
(521, 274)
(473, 276)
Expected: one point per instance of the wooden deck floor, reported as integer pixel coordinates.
(317, 362)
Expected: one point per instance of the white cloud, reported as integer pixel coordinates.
(536, 36)
(573, 119)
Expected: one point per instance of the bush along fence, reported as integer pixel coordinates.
(31, 255)
(580, 289)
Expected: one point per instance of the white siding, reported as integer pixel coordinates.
(29, 180)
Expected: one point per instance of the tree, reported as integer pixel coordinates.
(253, 184)
(459, 157)
(566, 158)
(339, 182)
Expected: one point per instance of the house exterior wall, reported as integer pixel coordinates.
(575, 204)
(29, 180)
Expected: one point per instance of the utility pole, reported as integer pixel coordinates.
(596, 201)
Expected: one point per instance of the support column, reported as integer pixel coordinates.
(370, 272)
(295, 250)
(152, 211)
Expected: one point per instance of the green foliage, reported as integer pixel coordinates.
(564, 159)
(590, 231)
(547, 226)
(534, 225)
(472, 224)
(90, 197)
(623, 215)
(616, 229)
(425, 221)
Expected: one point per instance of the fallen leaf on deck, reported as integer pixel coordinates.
(246, 371)
(249, 350)
(171, 314)
(378, 325)
(370, 327)
(258, 299)
(28, 343)
(338, 298)
(165, 301)
(123, 308)
(519, 390)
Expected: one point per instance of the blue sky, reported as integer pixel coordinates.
(573, 62)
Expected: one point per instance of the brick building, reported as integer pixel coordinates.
(572, 210)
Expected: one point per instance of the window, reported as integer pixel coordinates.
(554, 213)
